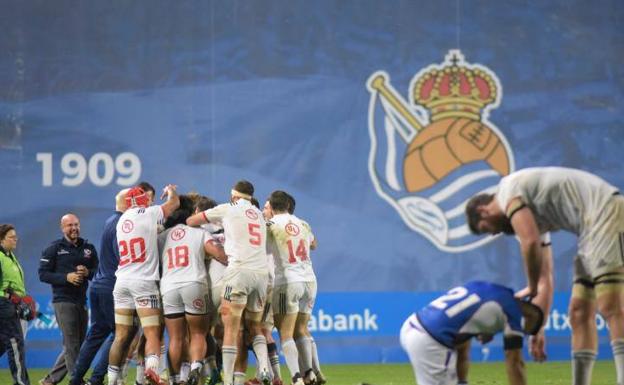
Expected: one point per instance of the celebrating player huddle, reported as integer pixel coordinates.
(185, 260)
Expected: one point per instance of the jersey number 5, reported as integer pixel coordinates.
(256, 237)
(132, 251)
(455, 294)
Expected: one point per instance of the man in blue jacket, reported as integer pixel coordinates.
(101, 332)
(67, 264)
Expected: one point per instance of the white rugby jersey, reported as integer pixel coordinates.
(216, 269)
(182, 256)
(290, 243)
(138, 243)
(245, 233)
(560, 198)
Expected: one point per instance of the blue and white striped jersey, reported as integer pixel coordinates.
(469, 310)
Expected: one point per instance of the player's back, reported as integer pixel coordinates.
(182, 256)
(290, 239)
(245, 234)
(561, 198)
(474, 308)
(137, 232)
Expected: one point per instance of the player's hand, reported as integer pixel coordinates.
(74, 278)
(168, 188)
(537, 347)
(82, 270)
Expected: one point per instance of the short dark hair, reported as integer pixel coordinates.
(145, 186)
(279, 201)
(244, 187)
(472, 215)
(4, 230)
(255, 202)
(179, 215)
(203, 203)
(291, 204)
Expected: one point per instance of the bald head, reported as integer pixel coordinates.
(70, 226)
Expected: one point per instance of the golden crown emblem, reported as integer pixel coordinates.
(455, 90)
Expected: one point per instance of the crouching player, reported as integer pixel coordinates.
(433, 335)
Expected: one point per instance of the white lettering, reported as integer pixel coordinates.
(340, 322)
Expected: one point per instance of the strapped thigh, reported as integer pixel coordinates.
(609, 283)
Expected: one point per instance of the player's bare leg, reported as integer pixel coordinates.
(176, 328)
(285, 324)
(198, 328)
(124, 332)
(150, 321)
(582, 313)
(610, 302)
(304, 346)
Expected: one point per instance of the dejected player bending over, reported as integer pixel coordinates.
(433, 335)
(534, 201)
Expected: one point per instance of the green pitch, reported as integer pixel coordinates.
(552, 373)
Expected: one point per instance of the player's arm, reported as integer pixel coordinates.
(173, 201)
(463, 362)
(525, 227)
(544, 298)
(216, 252)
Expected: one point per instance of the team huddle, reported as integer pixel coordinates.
(221, 276)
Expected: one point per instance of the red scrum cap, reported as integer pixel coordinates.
(136, 197)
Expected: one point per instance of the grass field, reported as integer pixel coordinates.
(552, 373)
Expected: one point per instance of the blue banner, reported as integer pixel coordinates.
(380, 118)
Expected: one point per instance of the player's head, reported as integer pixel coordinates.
(532, 317)
(120, 200)
(137, 197)
(279, 201)
(243, 189)
(179, 215)
(70, 226)
(484, 216)
(149, 190)
(203, 203)
(291, 203)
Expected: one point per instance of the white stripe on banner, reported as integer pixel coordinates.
(459, 183)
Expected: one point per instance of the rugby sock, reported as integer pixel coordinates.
(316, 365)
(239, 378)
(304, 347)
(292, 356)
(229, 357)
(197, 365)
(582, 365)
(274, 360)
(151, 362)
(113, 374)
(140, 372)
(162, 364)
(260, 349)
(176, 378)
(618, 357)
(185, 369)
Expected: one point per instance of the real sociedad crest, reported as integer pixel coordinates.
(430, 154)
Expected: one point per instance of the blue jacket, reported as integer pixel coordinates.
(109, 256)
(61, 258)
